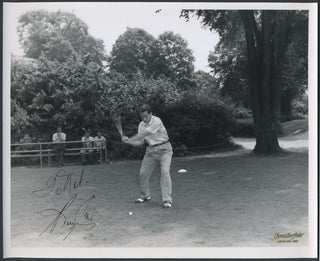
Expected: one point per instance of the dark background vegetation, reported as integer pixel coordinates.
(66, 78)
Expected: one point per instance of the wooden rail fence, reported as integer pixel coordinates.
(44, 150)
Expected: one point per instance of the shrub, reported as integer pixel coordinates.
(243, 128)
(242, 113)
(123, 151)
(198, 120)
(300, 105)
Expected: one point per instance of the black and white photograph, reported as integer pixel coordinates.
(160, 130)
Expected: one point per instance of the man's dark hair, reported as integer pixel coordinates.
(86, 130)
(145, 107)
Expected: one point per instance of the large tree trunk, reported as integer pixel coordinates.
(260, 61)
(286, 106)
(280, 43)
(276, 113)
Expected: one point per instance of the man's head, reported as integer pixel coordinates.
(99, 133)
(59, 129)
(145, 113)
(87, 133)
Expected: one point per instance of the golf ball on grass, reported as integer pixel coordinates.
(130, 213)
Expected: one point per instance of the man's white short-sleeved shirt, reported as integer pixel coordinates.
(58, 137)
(87, 142)
(100, 142)
(155, 130)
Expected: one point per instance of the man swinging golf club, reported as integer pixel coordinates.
(159, 151)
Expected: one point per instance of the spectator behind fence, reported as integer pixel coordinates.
(87, 148)
(59, 139)
(100, 147)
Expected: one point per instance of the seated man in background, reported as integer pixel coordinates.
(59, 139)
(100, 147)
(87, 148)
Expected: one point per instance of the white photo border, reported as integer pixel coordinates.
(221, 252)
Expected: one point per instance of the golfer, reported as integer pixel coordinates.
(158, 151)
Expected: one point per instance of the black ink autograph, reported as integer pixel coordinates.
(81, 218)
(51, 183)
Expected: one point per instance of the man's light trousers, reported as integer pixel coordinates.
(161, 154)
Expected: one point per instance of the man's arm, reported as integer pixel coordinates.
(156, 125)
(104, 143)
(139, 137)
(130, 141)
(91, 144)
(84, 144)
(58, 137)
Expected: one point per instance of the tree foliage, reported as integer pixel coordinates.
(125, 95)
(205, 82)
(267, 36)
(293, 80)
(132, 52)
(66, 80)
(229, 61)
(54, 93)
(230, 70)
(20, 78)
(136, 51)
(58, 35)
(61, 82)
(173, 59)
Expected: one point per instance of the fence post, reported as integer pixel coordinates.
(40, 155)
(49, 158)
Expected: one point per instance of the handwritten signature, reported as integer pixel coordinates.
(82, 216)
(69, 184)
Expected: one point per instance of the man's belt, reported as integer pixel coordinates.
(158, 144)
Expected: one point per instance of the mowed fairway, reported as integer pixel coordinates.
(223, 200)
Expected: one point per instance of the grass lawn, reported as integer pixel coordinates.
(227, 200)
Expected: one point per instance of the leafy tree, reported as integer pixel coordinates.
(173, 59)
(58, 35)
(52, 93)
(82, 85)
(20, 78)
(168, 56)
(19, 121)
(124, 95)
(72, 87)
(266, 33)
(206, 82)
(66, 81)
(132, 52)
(229, 65)
(294, 77)
(199, 120)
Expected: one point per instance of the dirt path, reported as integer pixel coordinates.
(290, 142)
